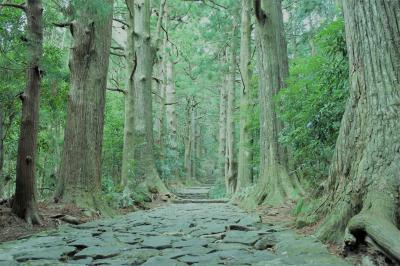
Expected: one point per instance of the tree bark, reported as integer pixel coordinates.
(193, 159)
(231, 171)
(275, 184)
(363, 192)
(128, 154)
(222, 132)
(159, 85)
(80, 170)
(145, 167)
(160, 100)
(188, 139)
(245, 139)
(1, 146)
(24, 204)
(171, 109)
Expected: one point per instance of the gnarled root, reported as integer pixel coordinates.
(380, 229)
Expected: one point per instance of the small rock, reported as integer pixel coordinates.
(98, 253)
(237, 227)
(6, 257)
(247, 238)
(86, 261)
(157, 242)
(158, 261)
(54, 253)
(265, 243)
(192, 242)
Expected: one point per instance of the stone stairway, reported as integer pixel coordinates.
(209, 182)
(195, 195)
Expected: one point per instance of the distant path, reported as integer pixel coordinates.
(196, 195)
(175, 234)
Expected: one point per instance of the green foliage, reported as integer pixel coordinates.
(113, 139)
(218, 191)
(312, 105)
(53, 96)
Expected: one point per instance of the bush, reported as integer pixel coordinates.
(312, 105)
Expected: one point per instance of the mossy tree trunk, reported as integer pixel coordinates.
(1, 148)
(171, 111)
(364, 177)
(80, 170)
(24, 204)
(145, 167)
(275, 184)
(245, 139)
(190, 139)
(222, 131)
(128, 154)
(159, 86)
(230, 159)
(193, 126)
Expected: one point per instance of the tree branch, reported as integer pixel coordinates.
(18, 6)
(116, 54)
(121, 21)
(117, 90)
(63, 24)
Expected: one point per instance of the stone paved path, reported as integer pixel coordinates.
(175, 234)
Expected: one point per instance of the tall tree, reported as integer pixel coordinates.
(230, 160)
(80, 170)
(363, 192)
(193, 127)
(171, 102)
(222, 131)
(190, 138)
(145, 167)
(159, 84)
(245, 139)
(128, 154)
(275, 182)
(24, 204)
(1, 145)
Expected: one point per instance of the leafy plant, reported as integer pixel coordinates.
(312, 105)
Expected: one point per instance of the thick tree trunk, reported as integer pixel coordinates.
(275, 183)
(222, 132)
(145, 167)
(160, 99)
(80, 171)
(245, 153)
(24, 204)
(231, 165)
(158, 86)
(364, 177)
(128, 154)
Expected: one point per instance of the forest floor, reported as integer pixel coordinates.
(52, 216)
(197, 233)
(12, 227)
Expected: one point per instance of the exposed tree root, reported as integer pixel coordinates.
(273, 189)
(376, 219)
(93, 203)
(30, 214)
(382, 231)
